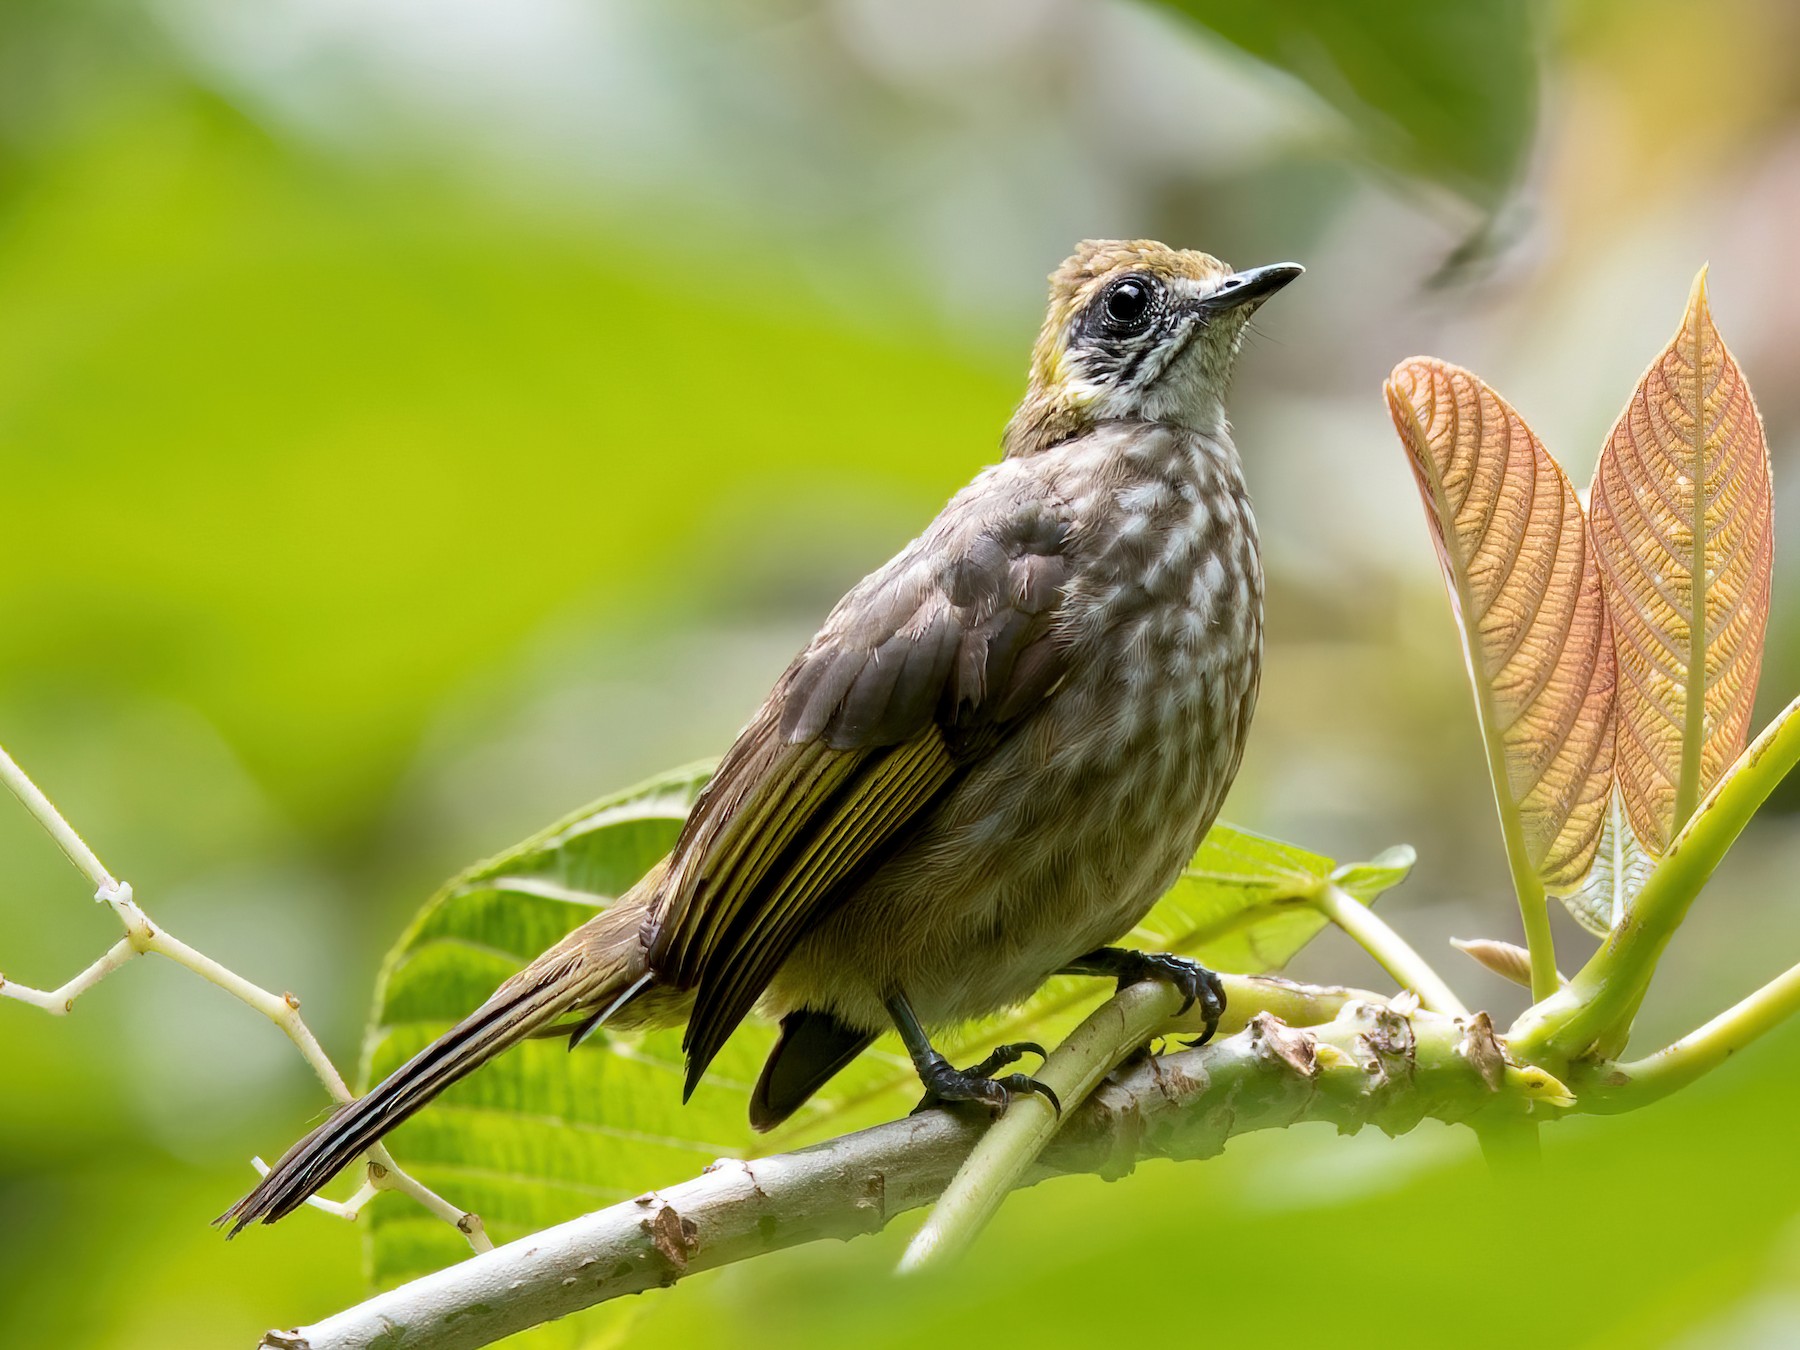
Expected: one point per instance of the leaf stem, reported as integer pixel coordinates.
(1393, 952)
(1624, 1087)
(1010, 1146)
(1540, 943)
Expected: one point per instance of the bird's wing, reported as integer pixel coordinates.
(919, 670)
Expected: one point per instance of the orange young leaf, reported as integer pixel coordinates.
(1513, 542)
(1680, 515)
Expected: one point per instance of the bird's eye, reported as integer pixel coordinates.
(1127, 304)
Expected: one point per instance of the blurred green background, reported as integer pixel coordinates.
(419, 418)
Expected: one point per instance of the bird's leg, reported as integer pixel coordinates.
(1196, 983)
(945, 1084)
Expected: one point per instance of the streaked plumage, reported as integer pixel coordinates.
(994, 757)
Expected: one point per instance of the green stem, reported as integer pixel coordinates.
(1012, 1144)
(1624, 1087)
(1396, 956)
(1595, 1007)
(1534, 913)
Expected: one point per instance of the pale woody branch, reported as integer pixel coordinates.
(142, 936)
(1369, 1065)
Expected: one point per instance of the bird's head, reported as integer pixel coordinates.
(1137, 330)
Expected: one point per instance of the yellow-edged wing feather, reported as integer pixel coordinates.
(918, 671)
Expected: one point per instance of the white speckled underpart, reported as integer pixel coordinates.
(1131, 754)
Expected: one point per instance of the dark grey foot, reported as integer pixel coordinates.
(1196, 983)
(946, 1085)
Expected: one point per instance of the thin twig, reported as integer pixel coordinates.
(142, 936)
(74, 847)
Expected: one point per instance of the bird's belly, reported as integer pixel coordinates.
(1058, 843)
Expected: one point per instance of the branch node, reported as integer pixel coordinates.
(1276, 1042)
(676, 1239)
(871, 1204)
(1481, 1047)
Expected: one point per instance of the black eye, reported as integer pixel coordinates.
(1127, 304)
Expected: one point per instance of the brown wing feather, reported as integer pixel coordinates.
(919, 670)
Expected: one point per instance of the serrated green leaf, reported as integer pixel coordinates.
(1243, 903)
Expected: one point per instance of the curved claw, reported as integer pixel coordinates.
(1018, 1082)
(1003, 1055)
(1196, 983)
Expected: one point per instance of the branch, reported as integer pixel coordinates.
(1625, 1087)
(1110, 1034)
(1369, 1065)
(142, 936)
(1594, 1009)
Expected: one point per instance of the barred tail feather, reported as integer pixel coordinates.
(574, 974)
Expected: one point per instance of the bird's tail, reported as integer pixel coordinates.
(594, 968)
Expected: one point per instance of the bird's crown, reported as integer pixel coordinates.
(1096, 262)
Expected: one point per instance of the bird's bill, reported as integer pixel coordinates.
(1251, 286)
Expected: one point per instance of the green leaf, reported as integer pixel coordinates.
(1243, 903)
(544, 1134)
(1446, 91)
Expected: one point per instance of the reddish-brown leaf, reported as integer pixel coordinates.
(1682, 527)
(1513, 542)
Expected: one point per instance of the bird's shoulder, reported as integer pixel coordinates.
(956, 627)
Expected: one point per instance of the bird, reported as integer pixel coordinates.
(997, 753)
